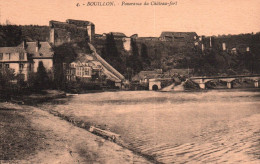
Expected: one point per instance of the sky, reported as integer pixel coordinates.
(206, 17)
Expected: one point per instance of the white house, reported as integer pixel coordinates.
(25, 58)
(15, 58)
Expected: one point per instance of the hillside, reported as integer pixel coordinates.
(149, 54)
(13, 35)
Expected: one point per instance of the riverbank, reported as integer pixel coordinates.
(30, 135)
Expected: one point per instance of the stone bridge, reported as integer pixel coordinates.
(229, 79)
(156, 84)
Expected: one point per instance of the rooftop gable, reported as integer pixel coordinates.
(177, 34)
(44, 49)
(12, 50)
(117, 34)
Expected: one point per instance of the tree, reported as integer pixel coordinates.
(6, 75)
(10, 35)
(111, 49)
(42, 80)
(144, 55)
(6, 87)
(134, 61)
(111, 54)
(65, 53)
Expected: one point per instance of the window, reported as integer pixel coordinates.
(30, 67)
(21, 67)
(78, 71)
(7, 66)
(1, 65)
(87, 72)
(21, 56)
(1, 56)
(8, 55)
(82, 71)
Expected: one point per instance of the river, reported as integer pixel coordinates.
(176, 127)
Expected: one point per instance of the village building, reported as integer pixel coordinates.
(144, 76)
(84, 68)
(179, 36)
(117, 35)
(180, 72)
(24, 58)
(14, 58)
(39, 52)
(92, 68)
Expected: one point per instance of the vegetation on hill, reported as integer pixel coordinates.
(155, 54)
(12, 35)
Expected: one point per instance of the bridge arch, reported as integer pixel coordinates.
(229, 82)
(201, 81)
(154, 84)
(155, 87)
(209, 83)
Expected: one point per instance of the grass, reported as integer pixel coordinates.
(17, 137)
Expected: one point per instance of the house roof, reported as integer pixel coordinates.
(147, 75)
(177, 34)
(44, 50)
(98, 35)
(12, 50)
(79, 22)
(83, 58)
(117, 34)
(172, 72)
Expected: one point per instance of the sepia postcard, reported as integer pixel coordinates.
(129, 81)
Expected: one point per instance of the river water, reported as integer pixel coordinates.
(176, 127)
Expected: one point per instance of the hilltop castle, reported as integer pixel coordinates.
(62, 32)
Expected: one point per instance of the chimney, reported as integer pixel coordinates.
(37, 45)
(24, 44)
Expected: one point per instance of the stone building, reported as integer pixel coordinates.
(71, 30)
(39, 52)
(25, 58)
(15, 58)
(179, 36)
